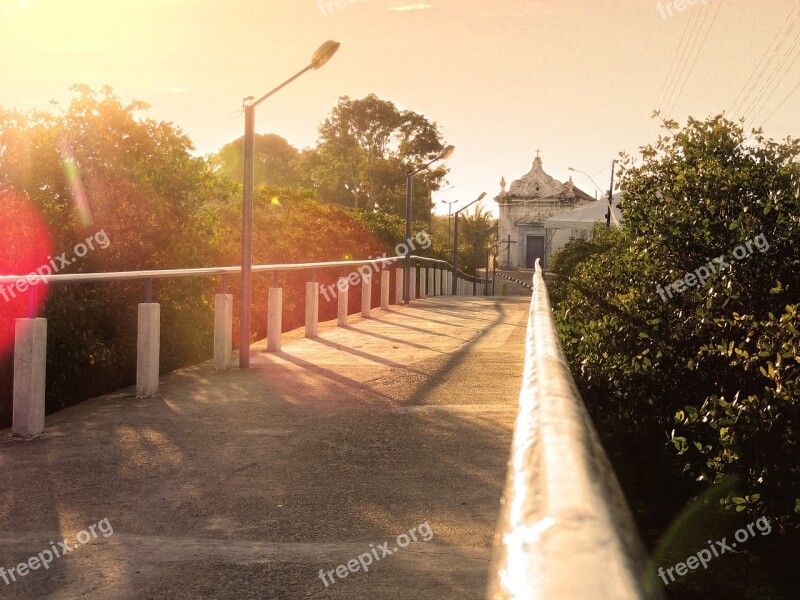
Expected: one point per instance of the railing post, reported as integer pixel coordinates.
(312, 309)
(398, 283)
(148, 349)
(384, 290)
(30, 359)
(343, 287)
(274, 318)
(366, 295)
(223, 331)
(412, 283)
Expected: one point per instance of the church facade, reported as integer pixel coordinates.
(524, 207)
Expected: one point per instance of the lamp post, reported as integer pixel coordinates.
(610, 189)
(321, 56)
(449, 214)
(455, 242)
(443, 155)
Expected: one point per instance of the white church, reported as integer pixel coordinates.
(525, 208)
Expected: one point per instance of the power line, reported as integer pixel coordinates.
(672, 76)
(672, 64)
(784, 60)
(699, 52)
(700, 24)
(766, 66)
(766, 52)
(797, 87)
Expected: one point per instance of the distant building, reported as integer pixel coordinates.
(524, 208)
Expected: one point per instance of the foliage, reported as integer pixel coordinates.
(100, 166)
(365, 148)
(713, 370)
(275, 161)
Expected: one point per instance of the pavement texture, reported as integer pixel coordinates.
(245, 484)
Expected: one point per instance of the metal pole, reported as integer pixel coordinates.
(494, 271)
(449, 215)
(486, 275)
(407, 269)
(247, 236)
(475, 268)
(610, 195)
(455, 256)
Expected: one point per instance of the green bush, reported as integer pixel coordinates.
(705, 380)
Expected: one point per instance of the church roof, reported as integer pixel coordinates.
(538, 184)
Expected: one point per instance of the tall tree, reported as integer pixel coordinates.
(365, 148)
(275, 160)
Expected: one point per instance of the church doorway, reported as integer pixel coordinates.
(534, 248)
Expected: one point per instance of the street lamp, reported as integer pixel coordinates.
(610, 189)
(449, 214)
(443, 155)
(320, 57)
(455, 242)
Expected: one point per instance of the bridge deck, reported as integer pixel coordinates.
(245, 484)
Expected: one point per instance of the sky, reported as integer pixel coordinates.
(577, 80)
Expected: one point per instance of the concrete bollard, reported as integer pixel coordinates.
(274, 319)
(505, 289)
(423, 282)
(366, 295)
(431, 282)
(223, 331)
(344, 288)
(384, 290)
(412, 287)
(312, 309)
(398, 285)
(148, 350)
(30, 360)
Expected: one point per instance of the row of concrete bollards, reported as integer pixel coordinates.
(30, 351)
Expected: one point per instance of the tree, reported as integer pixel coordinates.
(365, 148)
(471, 228)
(100, 166)
(275, 161)
(712, 361)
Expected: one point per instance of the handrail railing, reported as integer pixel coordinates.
(65, 278)
(566, 531)
(31, 332)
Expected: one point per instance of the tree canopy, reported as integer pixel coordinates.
(275, 161)
(365, 148)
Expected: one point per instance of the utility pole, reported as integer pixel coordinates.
(610, 195)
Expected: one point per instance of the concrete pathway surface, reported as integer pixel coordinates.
(246, 484)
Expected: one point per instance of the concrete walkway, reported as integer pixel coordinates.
(247, 484)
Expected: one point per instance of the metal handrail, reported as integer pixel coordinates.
(210, 271)
(565, 531)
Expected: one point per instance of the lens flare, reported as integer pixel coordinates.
(25, 247)
(72, 173)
